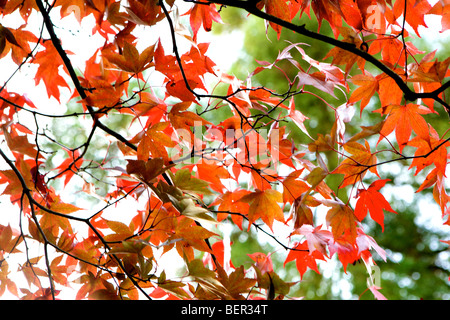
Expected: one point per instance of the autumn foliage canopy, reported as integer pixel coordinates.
(203, 150)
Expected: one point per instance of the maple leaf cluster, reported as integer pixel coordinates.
(188, 168)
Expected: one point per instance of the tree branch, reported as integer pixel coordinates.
(57, 44)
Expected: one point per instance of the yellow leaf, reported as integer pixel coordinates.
(119, 228)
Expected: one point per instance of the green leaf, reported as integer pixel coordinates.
(206, 278)
(186, 182)
(175, 288)
(190, 210)
(316, 176)
(272, 282)
(146, 171)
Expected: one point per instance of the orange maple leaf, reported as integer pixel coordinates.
(213, 173)
(351, 13)
(130, 60)
(342, 220)
(120, 229)
(427, 75)
(264, 205)
(229, 204)
(195, 65)
(193, 236)
(17, 143)
(154, 142)
(405, 119)
(145, 12)
(341, 56)
(388, 91)
(301, 212)
(414, 12)
(237, 282)
(102, 94)
(368, 85)
(435, 147)
(49, 62)
(279, 9)
(203, 14)
(293, 187)
(69, 6)
(393, 49)
(356, 166)
(182, 119)
(372, 201)
(25, 8)
(328, 10)
(16, 41)
(442, 8)
(218, 249)
(146, 170)
(148, 106)
(9, 239)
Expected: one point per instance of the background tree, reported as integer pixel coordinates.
(156, 151)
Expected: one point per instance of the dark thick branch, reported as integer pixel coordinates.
(250, 7)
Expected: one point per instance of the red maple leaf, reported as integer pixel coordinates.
(372, 201)
(67, 168)
(203, 14)
(9, 101)
(218, 249)
(347, 252)
(304, 259)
